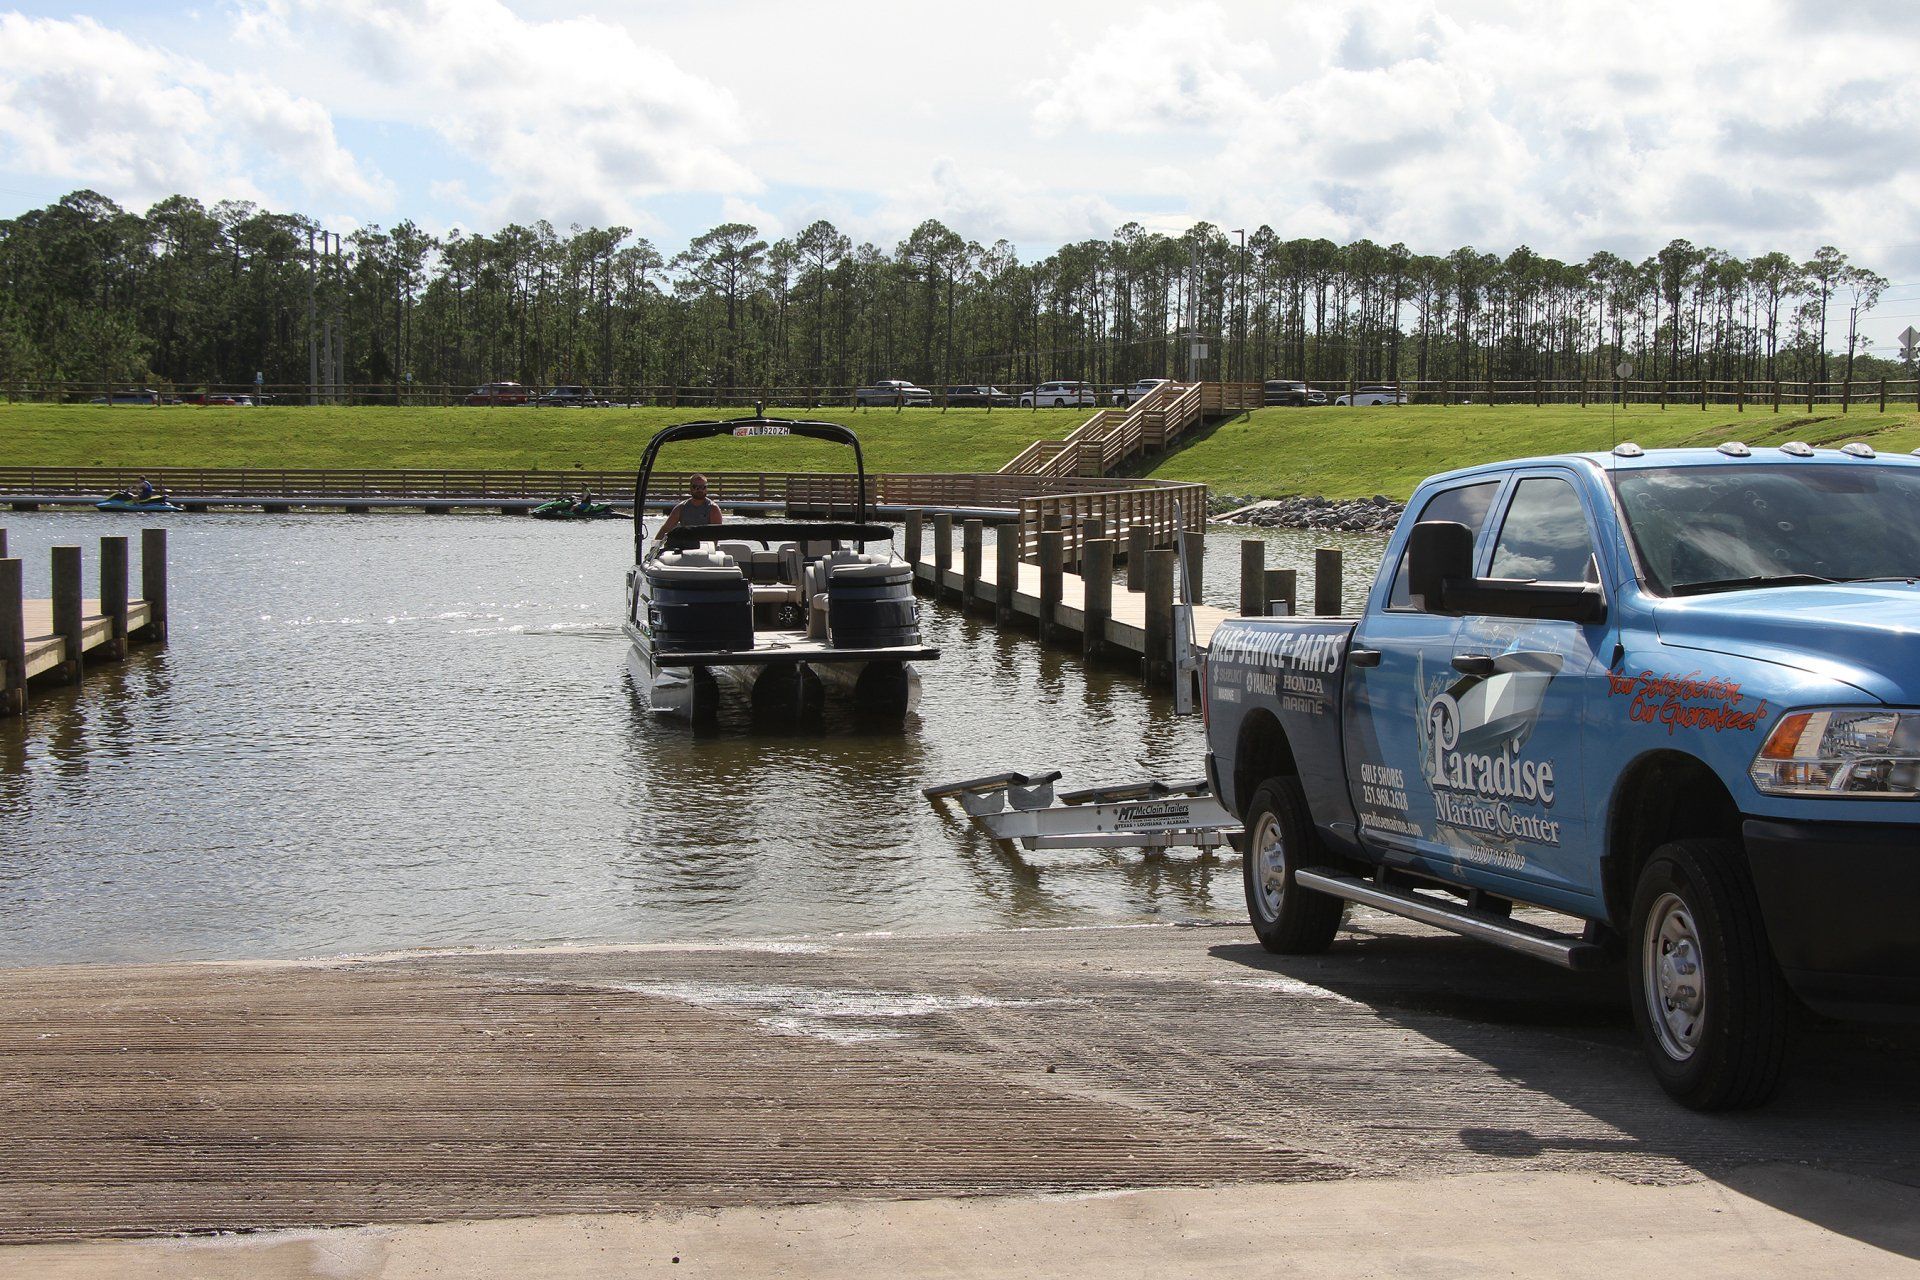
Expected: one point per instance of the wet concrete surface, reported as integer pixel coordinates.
(468, 1086)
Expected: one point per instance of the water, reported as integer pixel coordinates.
(387, 732)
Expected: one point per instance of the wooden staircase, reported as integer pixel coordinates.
(1112, 437)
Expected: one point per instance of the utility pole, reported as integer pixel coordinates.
(1240, 298)
(313, 338)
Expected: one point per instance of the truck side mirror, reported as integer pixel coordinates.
(1436, 551)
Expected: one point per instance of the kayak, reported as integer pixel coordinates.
(127, 502)
(568, 509)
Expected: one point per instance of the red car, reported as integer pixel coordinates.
(499, 393)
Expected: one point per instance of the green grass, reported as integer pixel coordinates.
(1351, 453)
(502, 439)
(1335, 452)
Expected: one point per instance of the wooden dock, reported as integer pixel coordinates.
(1095, 609)
(53, 640)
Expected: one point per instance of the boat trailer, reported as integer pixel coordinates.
(1023, 809)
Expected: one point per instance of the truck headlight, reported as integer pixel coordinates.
(1862, 753)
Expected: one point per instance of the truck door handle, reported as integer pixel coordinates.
(1473, 664)
(1364, 657)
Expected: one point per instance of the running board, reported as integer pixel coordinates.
(1514, 935)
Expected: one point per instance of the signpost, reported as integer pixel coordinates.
(1909, 344)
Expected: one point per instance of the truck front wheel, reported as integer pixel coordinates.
(1712, 1008)
(1287, 919)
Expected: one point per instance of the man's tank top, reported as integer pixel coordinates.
(700, 513)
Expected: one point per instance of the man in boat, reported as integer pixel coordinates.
(144, 491)
(694, 511)
(583, 503)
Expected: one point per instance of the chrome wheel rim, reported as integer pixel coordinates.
(1269, 851)
(1673, 976)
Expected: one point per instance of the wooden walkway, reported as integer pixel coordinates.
(47, 650)
(53, 640)
(1126, 621)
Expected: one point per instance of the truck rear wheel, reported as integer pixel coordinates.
(1287, 919)
(1712, 1008)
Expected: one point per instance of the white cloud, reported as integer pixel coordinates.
(573, 118)
(988, 204)
(1575, 126)
(83, 103)
(1166, 69)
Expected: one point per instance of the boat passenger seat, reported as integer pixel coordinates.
(741, 553)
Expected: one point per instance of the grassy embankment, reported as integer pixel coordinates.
(1334, 452)
(1352, 453)
(502, 439)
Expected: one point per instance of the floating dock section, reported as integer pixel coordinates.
(52, 641)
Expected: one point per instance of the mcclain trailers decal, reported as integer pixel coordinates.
(1156, 815)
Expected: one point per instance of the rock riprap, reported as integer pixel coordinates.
(1378, 514)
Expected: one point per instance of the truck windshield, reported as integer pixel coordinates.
(1715, 528)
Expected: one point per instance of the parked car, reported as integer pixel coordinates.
(1382, 394)
(893, 391)
(978, 394)
(1056, 395)
(499, 393)
(1298, 394)
(1138, 391)
(131, 395)
(568, 398)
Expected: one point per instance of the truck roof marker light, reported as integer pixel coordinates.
(1628, 449)
(1799, 449)
(1784, 742)
(1734, 449)
(1858, 449)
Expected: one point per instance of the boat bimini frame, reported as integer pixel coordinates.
(778, 609)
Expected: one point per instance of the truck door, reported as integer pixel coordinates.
(1505, 758)
(1401, 652)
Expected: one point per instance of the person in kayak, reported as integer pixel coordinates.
(695, 510)
(144, 492)
(584, 503)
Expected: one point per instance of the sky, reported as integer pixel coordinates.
(1570, 126)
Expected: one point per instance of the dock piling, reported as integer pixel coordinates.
(113, 590)
(1253, 578)
(153, 581)
(13, 637)
(1326, 581)
(942, 552)
(1052, 573)
(1195, 542)
(69, 622)
(1096, 571)
(1157, 662)
(1092, 529)
(1006, 575)
(972, 533)
(913, 537)
(1282, 588)
(1139, 542)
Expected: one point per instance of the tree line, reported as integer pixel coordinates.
(188, 294)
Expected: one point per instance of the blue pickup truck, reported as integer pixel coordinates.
(1673, 695)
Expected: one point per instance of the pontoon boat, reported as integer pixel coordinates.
(782, 612)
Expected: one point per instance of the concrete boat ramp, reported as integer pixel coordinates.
(1147, 1100)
